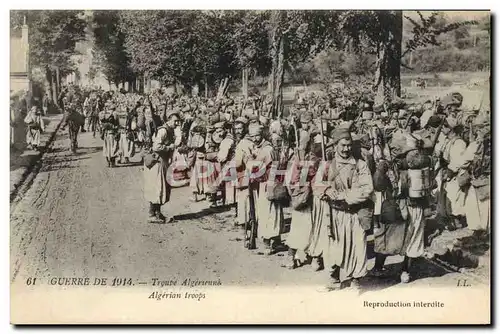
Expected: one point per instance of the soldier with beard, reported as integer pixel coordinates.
(338, 203)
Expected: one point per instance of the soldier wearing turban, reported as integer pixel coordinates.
(347, 188)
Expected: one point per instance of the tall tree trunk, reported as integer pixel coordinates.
(388, 74)
(278, 59)
(206, 85)
(141, 83)
(53, 84)
(58, 80)
(48, 75)
(244, 82)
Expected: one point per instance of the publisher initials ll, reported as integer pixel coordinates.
(462, 282)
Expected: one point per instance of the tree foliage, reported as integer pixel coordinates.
(426, 31)
(53, 35)
(184, 47)
(250, 39)
(109, 46)
(381, 33)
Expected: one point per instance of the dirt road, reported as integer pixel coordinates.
(82, 219)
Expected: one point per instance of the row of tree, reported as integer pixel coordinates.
(208, 48)
(52, 39)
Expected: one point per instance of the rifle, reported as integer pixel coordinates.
(323, 150)
(434, 142)
(251, 224)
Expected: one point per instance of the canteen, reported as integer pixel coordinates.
(196, 140)
(217, 137)
(367, 115)
(419, 182)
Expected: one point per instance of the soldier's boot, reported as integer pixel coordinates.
(274, 245)
(355, 284)
(335, 275)
(158, 213)
(317, 264)
(161, 217)
(113, 163)
(268, 249)
(127, 160)
(151, 217)
(212, 198)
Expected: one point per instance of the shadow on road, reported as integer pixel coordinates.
(202, 213)
(130, 164)
(88, 150)
(420, 269)
(18, 160)
(57, 149)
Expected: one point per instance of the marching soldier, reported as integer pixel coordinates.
(213, 150)
(300, 191)
(452, 192)
(225, 158)
(109, 132)
(242, 155)
(126, 144)
(195, 157)
(401, 229)
(157, 185)
(342, 238)
(269, 213)
(477, 161)
(74, 120)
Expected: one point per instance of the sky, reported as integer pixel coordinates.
(464, 15)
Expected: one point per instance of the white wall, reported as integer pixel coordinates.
(17, 84)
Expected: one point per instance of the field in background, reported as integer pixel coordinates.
(472, 85)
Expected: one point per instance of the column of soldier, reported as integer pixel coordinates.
(342, 173)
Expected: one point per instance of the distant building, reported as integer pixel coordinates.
(20, 77)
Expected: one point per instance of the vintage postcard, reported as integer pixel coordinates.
(250, 167)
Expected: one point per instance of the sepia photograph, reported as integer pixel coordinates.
(250, 167)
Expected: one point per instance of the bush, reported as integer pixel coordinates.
(450, 60)
(330, 64)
